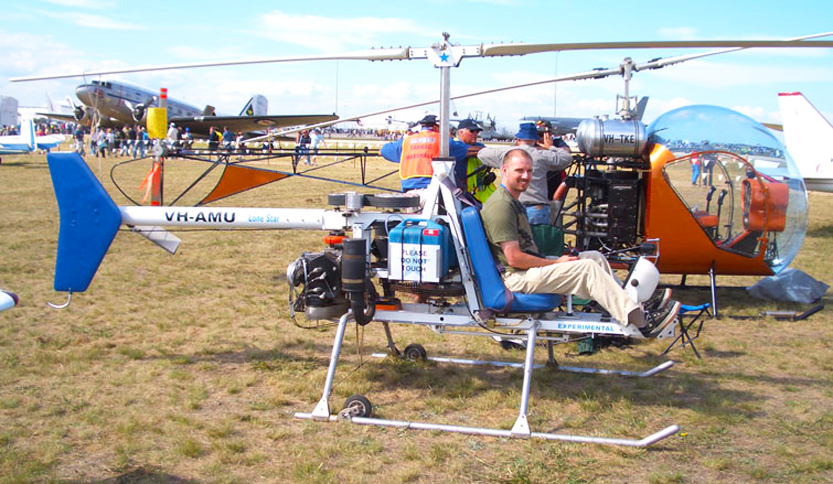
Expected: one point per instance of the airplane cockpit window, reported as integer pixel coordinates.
(737, 180)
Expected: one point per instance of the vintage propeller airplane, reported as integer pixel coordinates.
(633, 184)
(117, 104)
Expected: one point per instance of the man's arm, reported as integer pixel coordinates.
(519, 259)
(392, 151)
(493, 157)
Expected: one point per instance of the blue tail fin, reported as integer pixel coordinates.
(89, 221)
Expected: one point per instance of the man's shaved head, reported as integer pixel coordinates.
(516, 154)
(516, 172)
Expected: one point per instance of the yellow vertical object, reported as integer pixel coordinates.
(157, 123)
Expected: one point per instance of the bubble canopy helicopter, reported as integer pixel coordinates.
(760, 212)
(747, 214)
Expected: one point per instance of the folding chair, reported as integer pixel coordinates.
(684, 338)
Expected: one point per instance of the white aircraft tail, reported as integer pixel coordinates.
(27, 132)
(807, 135)
(257, 106)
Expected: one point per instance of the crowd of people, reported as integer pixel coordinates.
(42, 128)
(130, 141)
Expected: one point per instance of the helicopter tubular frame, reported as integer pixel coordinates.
(520, 429)
(458, 318)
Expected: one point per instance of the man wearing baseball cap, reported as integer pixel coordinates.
(415, 151)
(546, 157)
(479, 178)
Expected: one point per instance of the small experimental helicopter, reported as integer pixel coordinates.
(632, 184)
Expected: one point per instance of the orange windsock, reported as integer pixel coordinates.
(150, 183)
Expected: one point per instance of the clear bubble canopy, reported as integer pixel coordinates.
(744, 154)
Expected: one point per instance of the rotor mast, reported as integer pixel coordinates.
(445, 100)
(626, 70)
(444, 56)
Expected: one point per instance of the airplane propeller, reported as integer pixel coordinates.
(78, 112)
(140, 110)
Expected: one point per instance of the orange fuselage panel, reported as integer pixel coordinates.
(685, 247)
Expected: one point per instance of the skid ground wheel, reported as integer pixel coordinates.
(415, 352)
(358, 406)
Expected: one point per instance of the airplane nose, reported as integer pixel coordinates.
(84, 93)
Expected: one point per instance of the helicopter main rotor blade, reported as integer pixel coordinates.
(402, 53)
(593, 74)
(483, 50)
(492, 50)
(794, 42)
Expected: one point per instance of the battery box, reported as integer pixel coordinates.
(420, 251)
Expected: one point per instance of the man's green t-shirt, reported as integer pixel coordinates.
(504, 220)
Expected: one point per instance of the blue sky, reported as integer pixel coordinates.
(55, 36)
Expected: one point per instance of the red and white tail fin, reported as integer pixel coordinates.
(807, 135)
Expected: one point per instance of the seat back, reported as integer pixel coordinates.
(493, 293)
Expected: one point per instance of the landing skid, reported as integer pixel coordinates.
(645, 442)
(573, 369)
(361, 414)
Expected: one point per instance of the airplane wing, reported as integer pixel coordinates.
(60, 116)
(49, 141)
(4, 151)
(199, 125)
(560, 125)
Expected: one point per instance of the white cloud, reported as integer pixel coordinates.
(333, 34)
(759, 114)
(678, 33)
(501, 3)
(723, 75)
(196, 53)
(83, 3)
(98, 22)
(24, 54)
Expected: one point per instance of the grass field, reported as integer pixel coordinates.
(187, 368)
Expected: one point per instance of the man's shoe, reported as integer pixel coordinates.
(659, 302)
(661, 319)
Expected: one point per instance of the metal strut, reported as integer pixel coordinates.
(322, 410)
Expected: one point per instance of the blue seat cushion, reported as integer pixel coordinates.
(493, 293)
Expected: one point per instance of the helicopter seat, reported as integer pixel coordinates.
(493, 293)
(706, 219)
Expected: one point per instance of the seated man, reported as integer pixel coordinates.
(510, 239)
